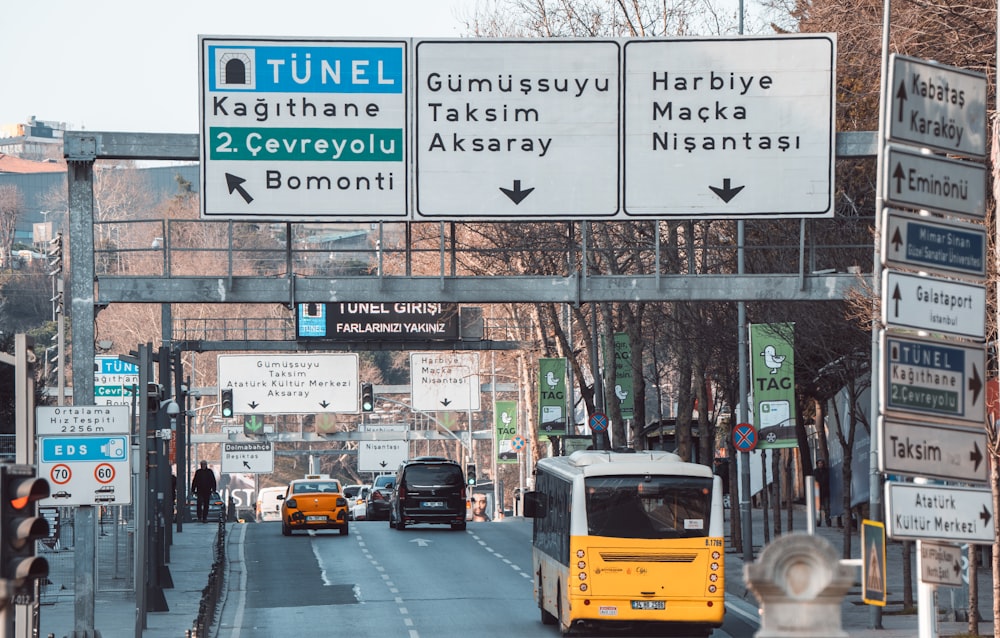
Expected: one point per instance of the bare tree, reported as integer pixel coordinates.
(11, 208)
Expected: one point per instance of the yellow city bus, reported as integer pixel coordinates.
(627, 538)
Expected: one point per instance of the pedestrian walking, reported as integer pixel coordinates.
(822, 476)
(203, 486)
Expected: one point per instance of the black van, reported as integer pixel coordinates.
(429, 489)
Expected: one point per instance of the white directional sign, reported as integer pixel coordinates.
(444, 381)
(937, 512)
(934, 305)
(250, 457)
(114, 381)
(933, 451)
(73, 420)
(932, 182)
(933, 380)
(934, 245)
(303, 129)
(291, 383)
(86, 470)
(940, 564)
(937, 106)
(518, 129)
(383, 455)
(730, 127)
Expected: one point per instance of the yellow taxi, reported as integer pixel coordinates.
(314, 503)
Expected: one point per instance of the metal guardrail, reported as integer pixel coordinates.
(212, 594)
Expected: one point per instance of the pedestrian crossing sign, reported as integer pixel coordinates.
(873, 577)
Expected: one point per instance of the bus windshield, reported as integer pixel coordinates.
(648, 506)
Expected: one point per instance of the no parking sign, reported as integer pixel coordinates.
(744, 437)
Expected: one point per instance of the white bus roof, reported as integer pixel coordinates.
(604, 463)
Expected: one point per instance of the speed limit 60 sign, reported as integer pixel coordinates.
(85, 470)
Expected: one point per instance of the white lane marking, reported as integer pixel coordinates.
(319, 562)
(498, 555)
(241, 602)
(387, 579)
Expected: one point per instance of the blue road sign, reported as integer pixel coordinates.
(934, 245)
(744, 437)
(934, 379)
(70, 449)
(598, 422)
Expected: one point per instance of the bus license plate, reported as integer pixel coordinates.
(649, 604)
(432, 504)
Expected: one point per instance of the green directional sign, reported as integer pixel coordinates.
(253, 424)
(623, 375)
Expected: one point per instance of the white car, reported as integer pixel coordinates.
(357, 501)
(268, 504)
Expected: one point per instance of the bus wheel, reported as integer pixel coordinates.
(547, 618)
(564, 630)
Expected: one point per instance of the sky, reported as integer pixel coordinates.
(132, 66)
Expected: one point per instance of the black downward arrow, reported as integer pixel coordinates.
(897, 296)
(446, 402)
(324, 403)
(516, 195)
(236, 184)
(897, 240)
(901, 96)
(253, 405)
(727, 192)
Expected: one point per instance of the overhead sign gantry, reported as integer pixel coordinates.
(551, 129)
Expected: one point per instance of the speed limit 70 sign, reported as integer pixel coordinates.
(85, 470)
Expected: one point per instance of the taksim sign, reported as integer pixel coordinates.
(510, 129)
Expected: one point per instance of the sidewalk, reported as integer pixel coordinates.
(191, 556)
(856, 617)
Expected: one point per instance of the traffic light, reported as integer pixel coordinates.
(20, 490)
(470, 474)
(227, 402)
(154, 397)
(367, 397)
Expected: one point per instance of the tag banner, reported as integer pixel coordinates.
(772, 367)
(505, 423)
(623, 375)
(552, 397)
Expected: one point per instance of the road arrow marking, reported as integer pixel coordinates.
(516, 195)
(421, 542)
(727, 192)
(235, 183)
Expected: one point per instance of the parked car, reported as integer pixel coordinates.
(429, 489)
(216, 506)
(268, 506)
(314, 504)
(379, 497)
(357, 501)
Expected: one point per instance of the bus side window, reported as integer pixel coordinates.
(534, 505)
